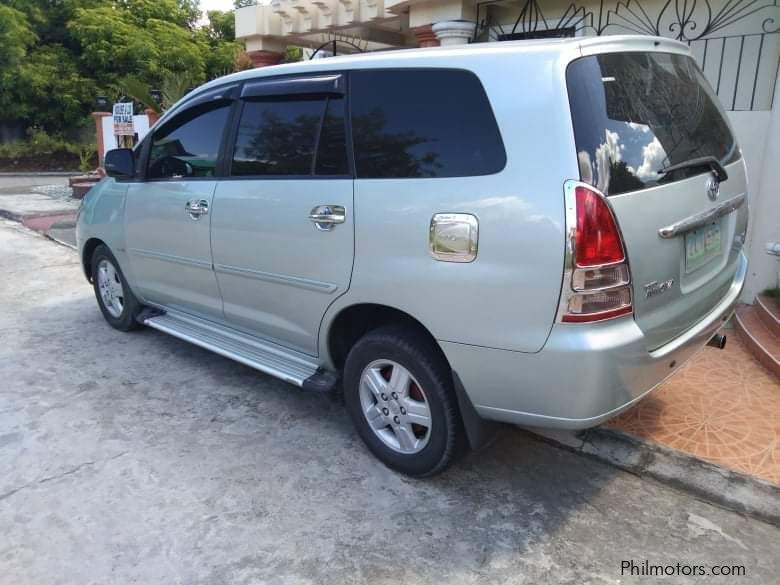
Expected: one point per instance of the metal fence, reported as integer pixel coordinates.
(741, 68)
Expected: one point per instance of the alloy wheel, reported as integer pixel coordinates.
(395, 406)
(112, 292)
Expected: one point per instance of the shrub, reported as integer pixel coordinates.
(87, 154)
(38, 143)
(44, 152)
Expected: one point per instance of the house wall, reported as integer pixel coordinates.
(737, 44)
(764, 179)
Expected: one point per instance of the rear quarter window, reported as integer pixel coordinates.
(636, 113)
(410, 123)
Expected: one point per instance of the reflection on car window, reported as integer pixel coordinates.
(279, 136)
(332, 147)
(423, 123)
(138, 151)
(635, 114)
(188, 145)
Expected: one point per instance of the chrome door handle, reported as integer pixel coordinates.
(196, 207)
(326, 216)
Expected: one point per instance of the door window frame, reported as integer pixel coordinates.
(222, 95)
(307, 86)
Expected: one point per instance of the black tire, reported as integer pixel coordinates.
(126, 320)
(419, 355)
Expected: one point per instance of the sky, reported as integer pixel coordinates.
(206, 5)
(216, 5)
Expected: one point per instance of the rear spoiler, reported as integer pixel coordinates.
(626, 43)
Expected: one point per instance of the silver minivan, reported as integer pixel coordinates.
(532, 232)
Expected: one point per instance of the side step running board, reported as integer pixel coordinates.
(289, 365)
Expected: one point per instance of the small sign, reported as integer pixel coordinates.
(123, 119)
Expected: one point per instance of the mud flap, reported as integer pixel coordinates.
(480, 432)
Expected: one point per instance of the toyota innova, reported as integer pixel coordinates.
(532, 232)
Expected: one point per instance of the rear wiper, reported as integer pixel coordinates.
(704, 161)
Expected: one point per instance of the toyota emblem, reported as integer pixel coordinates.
(713, 187)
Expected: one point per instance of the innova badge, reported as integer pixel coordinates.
(712, 187)
(655, 288)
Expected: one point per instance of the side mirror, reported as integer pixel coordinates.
(119, 163)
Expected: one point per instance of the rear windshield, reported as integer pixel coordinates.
(636, 113)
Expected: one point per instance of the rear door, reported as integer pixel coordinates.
(637, 117)
(282, 228)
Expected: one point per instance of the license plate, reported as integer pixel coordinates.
(701, 246)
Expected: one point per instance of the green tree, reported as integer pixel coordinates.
(221, 26)
(223, 50)
(56, 56)
(183, 13)
(50, 90)
(115, 43)
(16, 37)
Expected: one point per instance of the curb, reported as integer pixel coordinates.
(41, 174)
(726, 488)
(21, 217)
(57, 240)
(4, 213)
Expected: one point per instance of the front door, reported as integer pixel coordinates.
(168, 216)
(282, 226)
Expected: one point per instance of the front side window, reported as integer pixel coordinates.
(423, 123)
(188, 145)
(291, 136)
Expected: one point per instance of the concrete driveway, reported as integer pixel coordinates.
(137, 458)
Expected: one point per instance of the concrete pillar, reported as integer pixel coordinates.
(101, 149)
(152, 115)
(425, 36)
(442, 22)
(454, 32)
(264, 58)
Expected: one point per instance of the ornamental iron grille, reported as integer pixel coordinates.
(684, 20)
(329, 48)
(742, 67)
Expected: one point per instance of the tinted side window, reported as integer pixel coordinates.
(188, 145)
(423, 123)
(332, 147)
(280, 135)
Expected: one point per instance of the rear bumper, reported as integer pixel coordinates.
(585, 374)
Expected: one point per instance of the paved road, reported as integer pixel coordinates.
(10, 180)
(136, 458)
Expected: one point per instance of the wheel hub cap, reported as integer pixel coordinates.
(395, 406)
(110, 286)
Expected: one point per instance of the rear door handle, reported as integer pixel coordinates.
(327, 216)
(196, 207)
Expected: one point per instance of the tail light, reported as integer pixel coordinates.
(597, 280)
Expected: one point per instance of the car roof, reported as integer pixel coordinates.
(444, 56)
